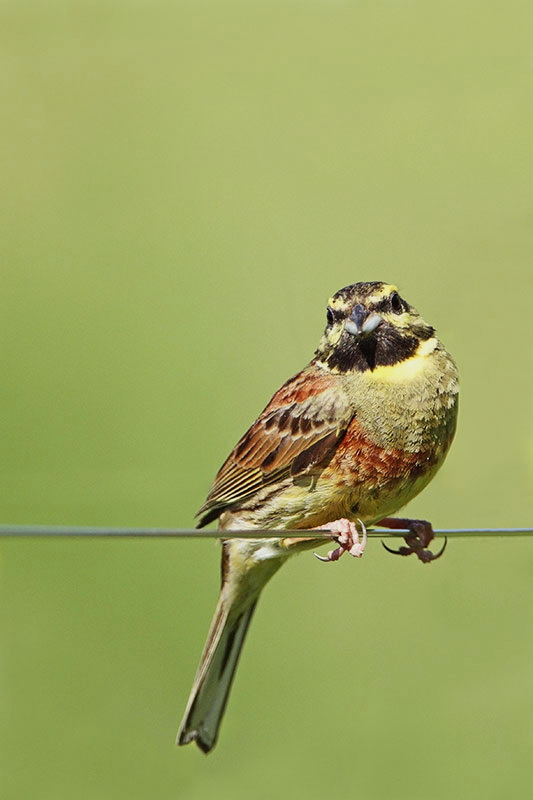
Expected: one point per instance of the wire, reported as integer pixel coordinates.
(42, 531)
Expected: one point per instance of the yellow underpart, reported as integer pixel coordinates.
(405, 371)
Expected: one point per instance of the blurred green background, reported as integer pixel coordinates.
(183, 186)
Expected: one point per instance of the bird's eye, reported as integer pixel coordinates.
(330, 315)
(396, 303)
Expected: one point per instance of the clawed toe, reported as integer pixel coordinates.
(333, 555)
(419, 536)
(345, 533)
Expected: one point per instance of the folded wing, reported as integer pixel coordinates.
(297, 432)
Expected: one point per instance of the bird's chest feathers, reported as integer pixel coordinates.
(410, 406)
(403, 425)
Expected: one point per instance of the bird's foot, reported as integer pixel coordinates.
(346, 535)
(419, 536)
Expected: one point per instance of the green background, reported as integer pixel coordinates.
(184, 184)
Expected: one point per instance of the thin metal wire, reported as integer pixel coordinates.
(22, 531)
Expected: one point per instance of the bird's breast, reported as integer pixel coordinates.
(404, 422)
(410, 407)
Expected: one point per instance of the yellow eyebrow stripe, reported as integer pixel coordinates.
(385, 291)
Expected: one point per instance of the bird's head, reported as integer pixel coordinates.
(370, 325)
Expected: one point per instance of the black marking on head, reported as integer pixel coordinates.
(361, 290)
(425, 333)
(392, 304)
(396, 303)
(385, 347)
(333, 315)
(390, 343)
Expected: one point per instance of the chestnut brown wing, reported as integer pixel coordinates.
(298, 430)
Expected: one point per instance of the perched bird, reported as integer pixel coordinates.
(351, 438)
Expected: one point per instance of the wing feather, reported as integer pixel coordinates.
(297, 431)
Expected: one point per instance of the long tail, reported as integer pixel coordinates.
(214, 678)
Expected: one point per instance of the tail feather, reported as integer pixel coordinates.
(214, 678)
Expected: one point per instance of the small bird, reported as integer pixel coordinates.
(344, 443)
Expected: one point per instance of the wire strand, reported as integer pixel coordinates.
(51, 531)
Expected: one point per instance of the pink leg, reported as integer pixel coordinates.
(345, 533)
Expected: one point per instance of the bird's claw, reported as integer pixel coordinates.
(346, 535)
(419, 536)
(424, 555)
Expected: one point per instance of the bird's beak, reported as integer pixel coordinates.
(362, 321)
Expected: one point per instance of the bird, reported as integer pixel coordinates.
(342, 445)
